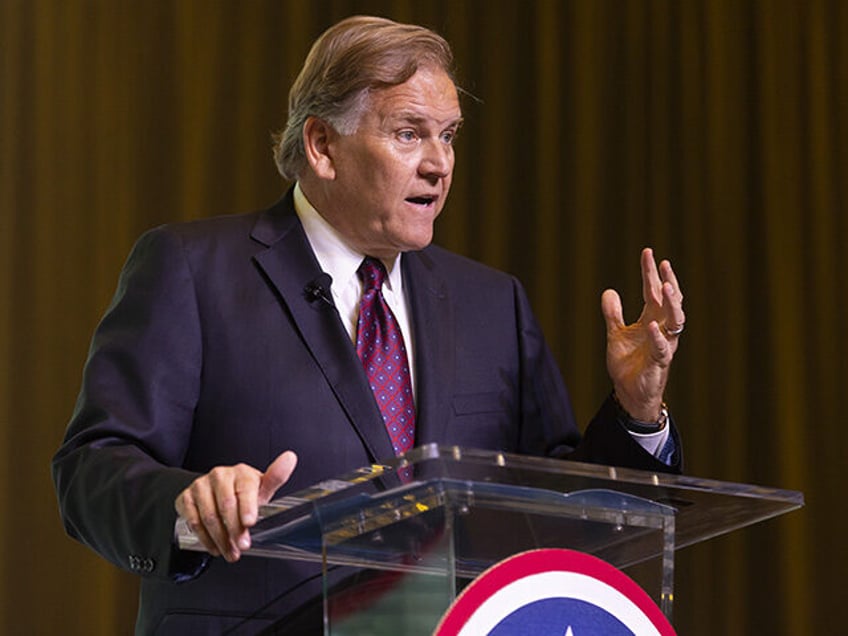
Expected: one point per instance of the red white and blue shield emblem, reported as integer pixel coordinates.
(554, 592)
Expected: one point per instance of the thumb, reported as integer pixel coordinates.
(276, 475)
(611, 309)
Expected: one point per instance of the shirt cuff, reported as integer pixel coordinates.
(653, 443)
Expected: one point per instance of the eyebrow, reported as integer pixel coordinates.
(415, 117)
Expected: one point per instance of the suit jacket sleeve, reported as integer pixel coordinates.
(115, 473)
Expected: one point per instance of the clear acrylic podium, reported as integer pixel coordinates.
(415, 530)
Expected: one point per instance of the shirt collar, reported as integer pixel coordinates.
(334, 254)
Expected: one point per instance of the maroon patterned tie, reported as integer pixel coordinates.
(379, 345)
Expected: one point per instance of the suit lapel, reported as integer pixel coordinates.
(435, 349)
(289, 266)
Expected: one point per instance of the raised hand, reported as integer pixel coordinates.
(639, 355)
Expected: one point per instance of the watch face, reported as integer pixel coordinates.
(554, 593)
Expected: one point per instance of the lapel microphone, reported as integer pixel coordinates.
(319, 289)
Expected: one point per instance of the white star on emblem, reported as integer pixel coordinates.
(568, 632)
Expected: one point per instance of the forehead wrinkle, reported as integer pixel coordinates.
(417, 118)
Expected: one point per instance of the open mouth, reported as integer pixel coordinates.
(425, 200)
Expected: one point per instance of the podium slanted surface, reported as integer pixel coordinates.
(417, 529)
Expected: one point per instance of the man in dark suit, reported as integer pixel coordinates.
(228, 351)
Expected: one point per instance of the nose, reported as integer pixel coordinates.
(437, 159)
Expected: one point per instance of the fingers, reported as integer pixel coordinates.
(662, 351)
(188, 508)
(661, 290)
(667, 274)
(211, 506)
(675, 317)
(651, 282)
(223, 505)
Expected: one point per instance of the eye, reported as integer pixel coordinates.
(449, 136)
(407, 135)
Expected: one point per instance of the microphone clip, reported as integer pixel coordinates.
(319, 289)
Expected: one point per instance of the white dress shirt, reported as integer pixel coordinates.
(341, 261)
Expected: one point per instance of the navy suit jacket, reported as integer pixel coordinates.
(211, 353)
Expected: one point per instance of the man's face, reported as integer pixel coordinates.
(392, 176)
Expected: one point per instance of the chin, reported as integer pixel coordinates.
(418, 243)
(410, 237)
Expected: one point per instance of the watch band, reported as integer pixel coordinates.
(638, 426)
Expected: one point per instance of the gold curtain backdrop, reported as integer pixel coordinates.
(713, 130)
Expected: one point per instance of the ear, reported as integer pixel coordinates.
(317, 136)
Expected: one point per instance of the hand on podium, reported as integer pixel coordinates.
(222, 505)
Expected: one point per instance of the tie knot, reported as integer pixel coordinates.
(372, 272)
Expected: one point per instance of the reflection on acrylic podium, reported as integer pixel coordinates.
(417, 529)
